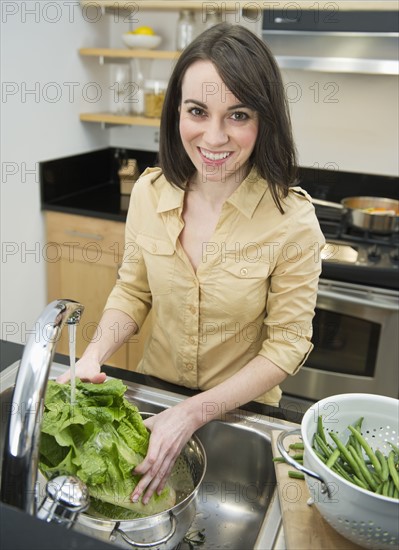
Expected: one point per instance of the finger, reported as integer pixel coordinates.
(159, 481)
(140, 487)
(64, 377)
(149, 422)
(98, 378)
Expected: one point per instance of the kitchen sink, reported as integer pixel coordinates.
(237, 503)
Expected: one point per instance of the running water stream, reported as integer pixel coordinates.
(72, 359)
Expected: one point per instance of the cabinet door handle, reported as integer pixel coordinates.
(94, 236)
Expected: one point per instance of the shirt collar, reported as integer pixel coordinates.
(171, 197)
(245, 198)
(248, 195)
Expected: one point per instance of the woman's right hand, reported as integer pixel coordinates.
(87, 369)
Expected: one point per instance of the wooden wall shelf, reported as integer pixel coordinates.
(229, 6)
(110, 118)
(125, 53)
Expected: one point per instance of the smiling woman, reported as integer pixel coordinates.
(224, 247)
(218, 132)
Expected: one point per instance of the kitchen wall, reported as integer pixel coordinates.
(346, 122)
(44, 87)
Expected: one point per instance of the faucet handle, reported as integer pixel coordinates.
(67, 496)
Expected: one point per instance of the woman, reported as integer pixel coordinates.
(219, 245)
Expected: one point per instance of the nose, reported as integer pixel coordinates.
(215, 133)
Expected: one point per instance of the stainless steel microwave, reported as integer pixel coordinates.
(330, 39)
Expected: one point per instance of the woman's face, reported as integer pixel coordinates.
(218, 132)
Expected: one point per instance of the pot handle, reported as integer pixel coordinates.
(280, 445)
(328, 204)
(163, 540)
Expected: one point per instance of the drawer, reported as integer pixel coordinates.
(79, 231)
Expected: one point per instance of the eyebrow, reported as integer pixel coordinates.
(204, 106)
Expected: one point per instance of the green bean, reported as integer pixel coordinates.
(369, 451)
(333, 458)
(392, 469)
(324, 447)
(320, 429)
(363, 468)
(359, 482)
(394, 448)
(298, 456)
(337, 468)
(296, 475)
(385, 488)
(357, 462)
(379, 489)
(297, 446)
(352, 438)
(384, 465)
(345, 453)
(319, 455)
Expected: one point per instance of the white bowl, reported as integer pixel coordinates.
(143, 41)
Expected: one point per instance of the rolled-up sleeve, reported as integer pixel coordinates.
(292, 294)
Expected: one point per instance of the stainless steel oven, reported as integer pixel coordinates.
(355, 337)
(356, 323)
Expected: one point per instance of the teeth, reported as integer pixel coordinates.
(214, 156)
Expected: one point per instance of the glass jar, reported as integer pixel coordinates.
(185, 30)
(120, 89)
(141, 73)
(154, 96)
(211, 19)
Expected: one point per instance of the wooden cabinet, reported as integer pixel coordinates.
(83, 256)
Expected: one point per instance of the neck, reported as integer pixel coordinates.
(216, 192)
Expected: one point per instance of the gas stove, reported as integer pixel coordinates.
(370, 262)
(353, 255)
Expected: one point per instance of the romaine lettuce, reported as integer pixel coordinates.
(100, 440)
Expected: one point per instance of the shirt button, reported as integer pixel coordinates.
(193, 309)
(189, 366)
(192, 340)
(244, 271)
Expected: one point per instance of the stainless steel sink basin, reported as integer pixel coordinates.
(237, 505)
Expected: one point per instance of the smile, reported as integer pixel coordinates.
(214, 156)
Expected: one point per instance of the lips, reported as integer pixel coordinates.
(213, 156)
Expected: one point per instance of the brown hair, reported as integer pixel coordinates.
(250, 72)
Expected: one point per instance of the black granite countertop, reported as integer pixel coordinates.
(88, 184)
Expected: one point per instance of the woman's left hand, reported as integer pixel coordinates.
(170, 431)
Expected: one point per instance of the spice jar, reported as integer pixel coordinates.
(154, 96)
(185, 29)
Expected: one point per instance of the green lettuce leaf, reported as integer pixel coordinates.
(100, 439)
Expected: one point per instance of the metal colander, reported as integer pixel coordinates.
(367, 519)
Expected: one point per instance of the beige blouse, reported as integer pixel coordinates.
(254, 292)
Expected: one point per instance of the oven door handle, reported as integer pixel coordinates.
(355, 300)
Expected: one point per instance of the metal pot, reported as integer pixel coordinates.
(385, 221)
(161, 531)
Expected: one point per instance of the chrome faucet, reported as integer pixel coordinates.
(21, 449)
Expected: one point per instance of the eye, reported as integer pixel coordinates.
(197, 111)
(239, 115)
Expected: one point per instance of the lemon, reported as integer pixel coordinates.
(144, 30)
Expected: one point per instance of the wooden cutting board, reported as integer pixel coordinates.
(304, 527)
